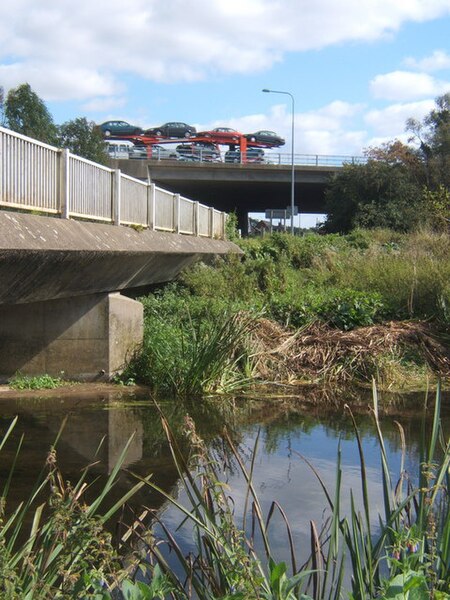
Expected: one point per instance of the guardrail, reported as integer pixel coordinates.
(261, 156)
(38, 177)
(315, 160)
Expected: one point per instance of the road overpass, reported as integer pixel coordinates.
(239, 188)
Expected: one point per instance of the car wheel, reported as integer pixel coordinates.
(187, 134)
(253, 139)
(159, 132)
(107, 133)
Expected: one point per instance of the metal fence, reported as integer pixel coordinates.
(251, 156)
(38, 177)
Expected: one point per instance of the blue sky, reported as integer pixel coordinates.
(357, 68)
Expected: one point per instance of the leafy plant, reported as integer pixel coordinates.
(38, 382)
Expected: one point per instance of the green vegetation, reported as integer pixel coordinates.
(27, 114)
(191, 347)
(55, 545)
(351, 288)
(83, 138)
(400, 187)
(38, 382)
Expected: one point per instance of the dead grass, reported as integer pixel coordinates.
(320, 353)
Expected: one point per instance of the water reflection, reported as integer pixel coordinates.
(98, 427)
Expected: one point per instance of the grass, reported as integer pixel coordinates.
(65, 549)
(191, 353)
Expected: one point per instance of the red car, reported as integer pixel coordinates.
(222, 135)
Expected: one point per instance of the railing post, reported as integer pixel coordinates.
(176, 213)
(151, 194)
(116, 197)
(64, 208)
(211, 222)
(196, 219)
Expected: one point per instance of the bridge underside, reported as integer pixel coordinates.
(237, 188)
(60, 281)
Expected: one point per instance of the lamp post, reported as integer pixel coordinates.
(292, 153)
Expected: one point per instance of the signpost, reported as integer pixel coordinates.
(280, 213)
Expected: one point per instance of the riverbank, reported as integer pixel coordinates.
(323, 309)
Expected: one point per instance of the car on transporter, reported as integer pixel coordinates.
(222, 135)
(268, 138)
(113, 128)
(173, 129)
(199, 151)
(251, 155)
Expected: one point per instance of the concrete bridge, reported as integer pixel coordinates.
(77, 240)
(243, 188)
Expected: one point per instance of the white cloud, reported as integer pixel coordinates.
(390, 121)
(103, 104)
(438, 61)
(406, 85)
(329, 130)
(80, 51)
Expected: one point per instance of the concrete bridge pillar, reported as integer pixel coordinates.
(85, 338)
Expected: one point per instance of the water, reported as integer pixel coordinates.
(288, 430)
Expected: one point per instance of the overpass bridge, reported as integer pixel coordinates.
(76, 240)
(245, 187)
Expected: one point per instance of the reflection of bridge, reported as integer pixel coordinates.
(60, 278)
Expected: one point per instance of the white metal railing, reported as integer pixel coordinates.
(252, 156)
(38, 177)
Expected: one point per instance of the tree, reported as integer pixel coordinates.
(26, 113)
(2, 106)
(380, 193)
(83, 138)
(432, 136)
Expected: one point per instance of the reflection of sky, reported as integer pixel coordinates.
(281, 475)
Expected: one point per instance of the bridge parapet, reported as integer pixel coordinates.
(38, 177)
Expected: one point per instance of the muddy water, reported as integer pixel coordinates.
(305, 424)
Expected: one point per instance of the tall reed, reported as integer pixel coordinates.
(405, 556)
(54, 544)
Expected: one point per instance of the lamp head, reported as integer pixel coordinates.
(264, 90)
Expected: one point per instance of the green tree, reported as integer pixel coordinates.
(83, 138)
(432, 136)
(26, 113)
(380, 193)
(2, 106)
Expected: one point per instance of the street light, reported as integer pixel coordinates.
(292, 153)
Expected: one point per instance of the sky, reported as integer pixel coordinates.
(357, 69)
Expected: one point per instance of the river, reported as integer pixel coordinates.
(290, 427)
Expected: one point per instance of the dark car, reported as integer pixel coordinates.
(119, 128)
(265, 137)
(174, 129)
(254, 155)
(199, 151)
(222, 135)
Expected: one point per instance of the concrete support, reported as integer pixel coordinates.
(87, 338)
